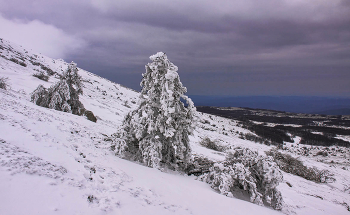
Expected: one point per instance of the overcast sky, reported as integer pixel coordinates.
(227, 47)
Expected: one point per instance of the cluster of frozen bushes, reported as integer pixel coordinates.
(212, 144)
(289, 164)
(246, 175)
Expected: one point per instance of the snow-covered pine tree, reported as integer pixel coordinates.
(64, 95)
(157, 132)
(73, 80)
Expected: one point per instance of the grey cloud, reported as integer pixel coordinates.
(228, 40)
(40, 37)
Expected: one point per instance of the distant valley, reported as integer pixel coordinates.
(277, 127)
(294, 104)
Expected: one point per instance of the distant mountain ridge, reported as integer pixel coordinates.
(294, 104)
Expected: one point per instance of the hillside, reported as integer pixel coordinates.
(53, 162)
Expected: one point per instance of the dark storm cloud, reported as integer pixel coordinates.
(247, 46)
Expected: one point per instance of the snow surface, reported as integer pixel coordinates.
(53, 162)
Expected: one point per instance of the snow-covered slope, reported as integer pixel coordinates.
(53, 162)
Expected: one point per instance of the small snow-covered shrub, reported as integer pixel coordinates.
(246, 175)
(323, 153)
(126, 104)
(255, 138)
(199, 166)
(40, 95)
(48, 70)
(92, 199)
(90, 116)
(34, 63)
(118, 144)
(41, 76)
(211, 144)
(18, 62)
(294, 166)
(3, 83)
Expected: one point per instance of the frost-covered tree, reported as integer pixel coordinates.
(74, 82)
(246, 175)
(157, 132)
(64, 95)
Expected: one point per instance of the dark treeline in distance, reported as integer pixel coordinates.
(312, 128)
